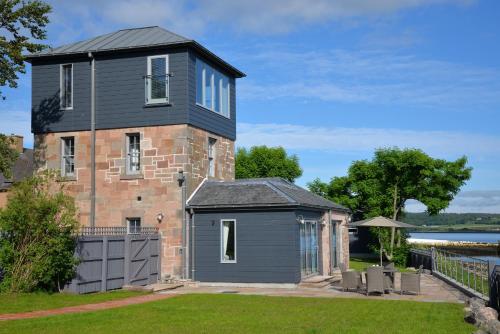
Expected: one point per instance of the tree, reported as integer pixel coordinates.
(19, 22)
(382, 186)
(8, 155)
(37, 235)
(263, 161)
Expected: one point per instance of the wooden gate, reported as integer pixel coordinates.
(110, 259)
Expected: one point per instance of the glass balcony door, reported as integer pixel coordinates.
(309, 248)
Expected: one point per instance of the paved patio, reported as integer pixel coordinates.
(432, 290)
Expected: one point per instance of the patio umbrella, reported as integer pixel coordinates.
(381, 222)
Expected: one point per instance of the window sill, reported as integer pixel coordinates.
(158, 104)
(65, 109)
(67, 178)
(212, 111)
(131, 176)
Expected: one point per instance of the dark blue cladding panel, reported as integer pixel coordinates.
(267, 248)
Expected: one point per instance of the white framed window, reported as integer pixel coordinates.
(68, 156)
(228, 241)
(133, 153)
(66, 86)
(157, 80)
(211, 156)
(212, 89)
(133, 225)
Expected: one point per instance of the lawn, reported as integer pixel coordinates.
(197, 313)
(25, 302)
(361, 264)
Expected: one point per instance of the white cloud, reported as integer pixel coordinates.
(487, 201)
(338, 139)
(266, 17)
(376, 77)
(17, 122)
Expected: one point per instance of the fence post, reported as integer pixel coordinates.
(492, 285)
(127, 245)
(433, 254)
(104, 269)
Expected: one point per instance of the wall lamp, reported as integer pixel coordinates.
(159, 217)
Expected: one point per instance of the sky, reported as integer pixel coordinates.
(331, 81)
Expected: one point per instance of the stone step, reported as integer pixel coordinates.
(164, 286)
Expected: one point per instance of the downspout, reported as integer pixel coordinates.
(192, 244)
(182, 183)
(92, 140)
(330, 237)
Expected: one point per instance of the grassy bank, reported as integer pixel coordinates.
(360, 264)
(26, 302)
(257, 314)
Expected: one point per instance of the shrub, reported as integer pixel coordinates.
(37, 235)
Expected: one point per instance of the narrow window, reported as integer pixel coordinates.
(199, 81)
(157, 80)
(228, 241)
(133, 153)
(209, 84)
(68, 156)
(66, 86)
(211, 156)
(225, 96)
(133, 225)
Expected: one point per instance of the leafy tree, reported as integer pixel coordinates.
(8, 155)
(19, 22)
(37, 236)
(382, 186)
(263, 161)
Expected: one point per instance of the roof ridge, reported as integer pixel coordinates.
(288, 197)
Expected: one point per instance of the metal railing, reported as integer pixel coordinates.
(116, 230)
(157, 88)
(469, 273)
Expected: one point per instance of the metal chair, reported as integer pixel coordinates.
(351, 280)
(374, 280)
(410, 282)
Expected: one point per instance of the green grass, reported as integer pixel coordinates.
(360, 264)
(198, 313)
(25, 302)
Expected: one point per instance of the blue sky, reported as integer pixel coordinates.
(333, 80)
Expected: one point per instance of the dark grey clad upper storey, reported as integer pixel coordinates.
(120, 70)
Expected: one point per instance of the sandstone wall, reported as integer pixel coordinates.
(165, 150)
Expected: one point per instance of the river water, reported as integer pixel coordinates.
(458, 236)
(486, 237)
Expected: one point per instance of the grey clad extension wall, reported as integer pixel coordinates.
(267, 247)
(120, 93)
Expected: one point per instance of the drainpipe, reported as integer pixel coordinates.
(182, 183)
(192, 244)
(330, 235)
(92, 140)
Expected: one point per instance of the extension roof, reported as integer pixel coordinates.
(265, 192)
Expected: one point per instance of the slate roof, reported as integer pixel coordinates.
(23, 167)
(265, 192)
(128, 39)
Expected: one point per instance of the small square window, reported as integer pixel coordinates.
(133, 225)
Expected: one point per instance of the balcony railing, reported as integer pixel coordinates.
(116, 230)
(157, 88)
